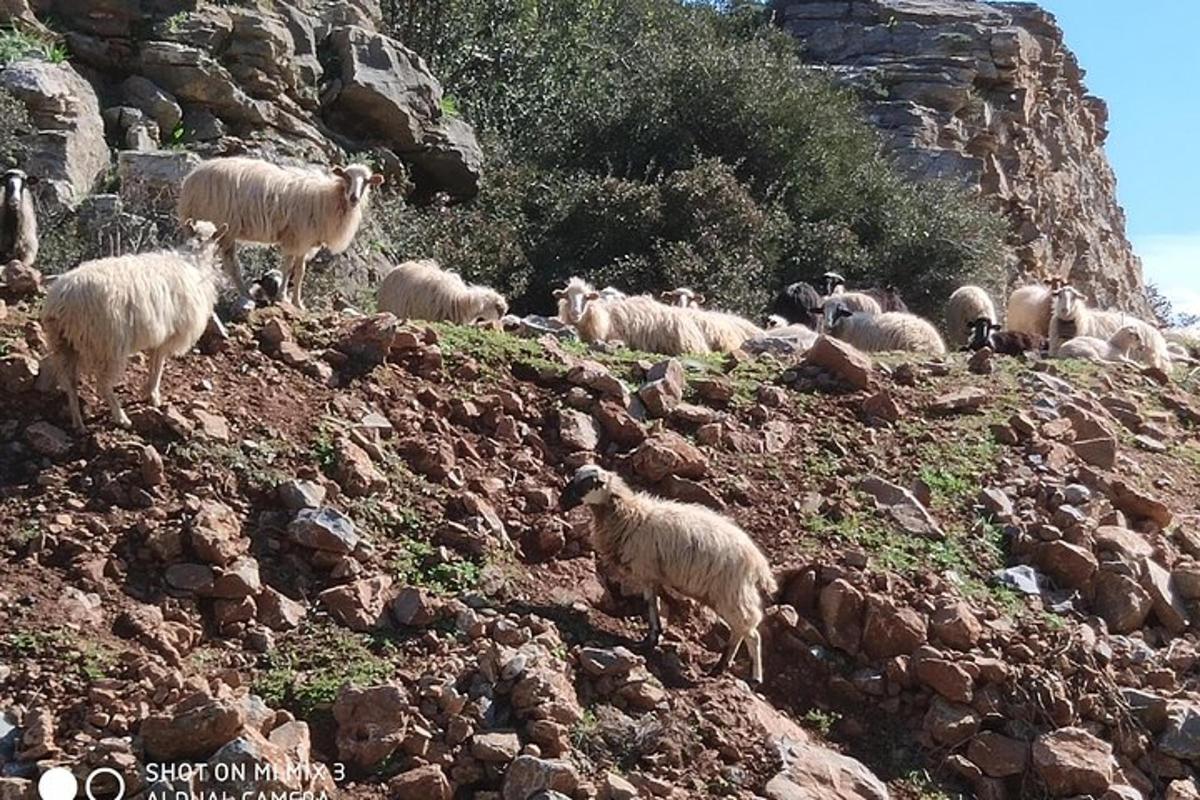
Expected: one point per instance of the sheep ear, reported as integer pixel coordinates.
(338, 171)
(559, 294)
(700, 299)
(189, 225)
(593, 295)
(222, 229)
(376, 180)
(665, 295)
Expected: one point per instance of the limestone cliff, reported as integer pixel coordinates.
(988, 94)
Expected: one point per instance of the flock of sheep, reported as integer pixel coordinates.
(102, 312)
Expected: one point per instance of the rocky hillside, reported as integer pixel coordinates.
(988, 94)
(339, 547)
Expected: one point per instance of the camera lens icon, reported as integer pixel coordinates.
(59, 783)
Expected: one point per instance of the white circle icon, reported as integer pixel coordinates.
(57, 783)
(87, 785)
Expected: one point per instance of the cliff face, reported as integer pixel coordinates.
(988, 94)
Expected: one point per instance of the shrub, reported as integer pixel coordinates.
(653, 143)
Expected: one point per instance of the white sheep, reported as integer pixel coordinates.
(1030, 307)
(1123, 346)
(612, 293)
(724, 332)
(853, 301)
(18, 219)
(658, 544)
(891, 330)
(640, 322)
(423, 290)
(1073, 317)
(682, 297)
(100, 313)
(776, 321)
(966, 306)
(301, 210)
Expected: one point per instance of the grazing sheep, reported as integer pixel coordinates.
(891, 330)
(966, 306)
(100, 313)
(798, 302)
(18, 220)
(1030, 307)
(1121, 346)
(423, 290)
(724, 332)
(298, 209)
(640, 322)
(662, 544)
(682, 297)
(1073, 317)
(985, 333)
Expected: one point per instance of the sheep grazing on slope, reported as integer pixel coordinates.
(1073, 317)
(798, 302)
(300, 210)
(423, 290)
(640, 322)
(1030, 307)
(100, 313)
(985, 333)
(1122, 346)
(966, 306)
(891, 330)
(682, 297)
(662, 544)
(18, 220)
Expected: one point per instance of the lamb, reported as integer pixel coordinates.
(891, 330)
(660, 544)
(18, 220)
(798, 302)
(1121, 346)
(1073, 317)
(966, 306)
(640, 322)
(985, 333)
(103, 311)
(423, 290)
(682, 297)
(1029, 307)
(298, 209)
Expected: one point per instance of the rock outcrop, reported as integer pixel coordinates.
(988, 95)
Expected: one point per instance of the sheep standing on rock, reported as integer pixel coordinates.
(1122, 346)
(423, 290)
(966, 306)
(985, 333)
(301, 210)
(891, 330)
(640, 322)
(1073, 317)
(100, 313)
(660, 544)
(18, 219)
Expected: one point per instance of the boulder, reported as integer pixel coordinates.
(903, 507)
(998, 756)
(68, 152)
(323, 529)
(818, 772)
(151, 180)
(1166, 602)
(1121, 601)
(360, 605)
(1071, 565)
(371, 723)
(668, 453)
(529, 775)
(841, 607)
(423, 783)
(157, 104)
(892, 631)
(1071, 761)
(216, 535)
(840, 359)
(195, 732)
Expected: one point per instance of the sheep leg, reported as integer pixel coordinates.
(754, 645)
(735, 644)
(655, 631)
(69, 380)
(154, 378)
(232, 268)
(297, 270)
(107, 385)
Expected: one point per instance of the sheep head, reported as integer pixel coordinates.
(980, 331)
(682, 297)
(1066, 302)
(1126, 339)
(15, 181)
(834, 312)
(575, 299)
(833, 281)
(493, 306)
(357, 180)
(590, 484)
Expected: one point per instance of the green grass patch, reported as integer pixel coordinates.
(16, 45)
(87, 660)
(421, 564)
(307, 669)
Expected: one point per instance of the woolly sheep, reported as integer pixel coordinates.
(612, 293)
(18, 219)
(853, 301)
(1073, 317)
(660, 544)
(724, 332)
(423, 290)
(888, 298)
(1029, 307)
(985, 333)
(640, 322)
(891, 330)
(1121, 346)
(103, 311)
(298, 209)
(682, 297)
(966, 306)
(798, 302)
(802, 336)
(774, 321)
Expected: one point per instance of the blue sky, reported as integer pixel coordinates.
(1144, 60)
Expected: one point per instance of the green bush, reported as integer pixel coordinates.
(651, 143)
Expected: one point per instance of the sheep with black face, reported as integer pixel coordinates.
(18, 219)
